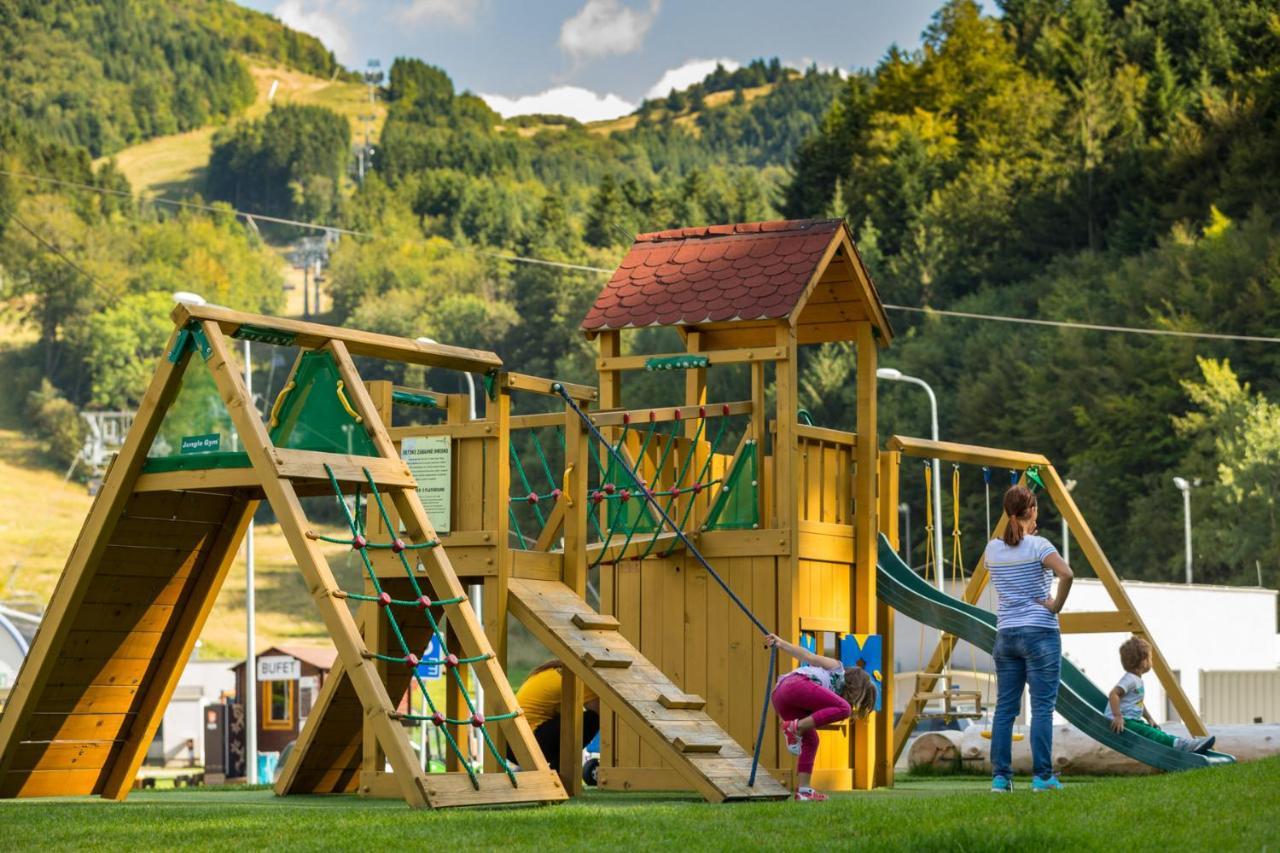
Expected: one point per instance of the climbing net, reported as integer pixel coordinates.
(421, 601)
(682, 471)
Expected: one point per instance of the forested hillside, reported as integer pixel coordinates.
(107, 74)
(1112, 162)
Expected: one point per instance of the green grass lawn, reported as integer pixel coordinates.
(1235, 808)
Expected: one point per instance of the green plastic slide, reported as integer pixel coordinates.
(1079, 700)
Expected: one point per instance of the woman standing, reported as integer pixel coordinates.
(1028, 650)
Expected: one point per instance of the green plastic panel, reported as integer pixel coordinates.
(737, 506)
(633, 513)
(312, 416)
(197, 462)
(676, 362)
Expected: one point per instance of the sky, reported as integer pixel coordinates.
(597, 59)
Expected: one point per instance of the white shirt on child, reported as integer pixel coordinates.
(1131, 696)
(831, 679)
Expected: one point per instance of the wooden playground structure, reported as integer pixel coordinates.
(668, 516)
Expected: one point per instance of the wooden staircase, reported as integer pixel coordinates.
(671, 721)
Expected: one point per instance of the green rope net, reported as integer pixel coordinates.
(408, 657)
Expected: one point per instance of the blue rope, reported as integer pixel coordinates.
(764, 715)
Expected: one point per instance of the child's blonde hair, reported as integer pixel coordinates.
(859, 691)
(1133, 652)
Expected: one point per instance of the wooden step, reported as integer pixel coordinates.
(606, 660)
(595, 622)
(667, 719)
(682, 701)
(687, 746)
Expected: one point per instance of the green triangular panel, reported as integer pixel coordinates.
(624, 514)
(196, 431)
(312, 416)
(737, 507)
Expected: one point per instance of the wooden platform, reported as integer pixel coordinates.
(672, 722)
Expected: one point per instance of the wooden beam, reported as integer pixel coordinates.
(714, 357)
(315, 336)
(206, 479)
(538, 385)
(890, 468)
(969, 453)
(1085, 622)
(576, 478)
(865, 539)
(312, 464)
(640, 417)
(830, 436)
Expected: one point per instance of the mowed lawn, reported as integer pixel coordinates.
(1230, 808)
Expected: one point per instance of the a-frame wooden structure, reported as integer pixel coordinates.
(1123, 619)
(156, 547)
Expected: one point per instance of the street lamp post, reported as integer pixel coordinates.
(1185, 487)
(905, 509)
(250, 646)
(895, 375)
(1066, 531)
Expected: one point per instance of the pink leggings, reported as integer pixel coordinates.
(796, 697)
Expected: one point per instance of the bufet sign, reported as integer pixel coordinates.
(279, 668)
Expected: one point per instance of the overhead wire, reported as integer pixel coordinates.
(525, 259)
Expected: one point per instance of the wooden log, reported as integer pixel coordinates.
(1075, 752)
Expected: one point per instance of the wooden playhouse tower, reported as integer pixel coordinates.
(804, 557)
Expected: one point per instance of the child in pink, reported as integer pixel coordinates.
(820, 692)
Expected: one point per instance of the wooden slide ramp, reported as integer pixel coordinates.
(672, 722)
(132, 602)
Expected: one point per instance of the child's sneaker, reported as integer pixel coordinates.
(1202, 744)
(1001, 785)
(792, 737)
(808, 795)
(1050, 784)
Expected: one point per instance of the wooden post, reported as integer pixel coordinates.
(610, 383)
(890, 465)
(313, 565)
(496, 518)
(865, 529)
(785, 503)
(376, 636)
(575, 577)
(1111, 582)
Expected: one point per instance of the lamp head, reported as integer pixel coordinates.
(888, 373)
(1181, 483)
(186, 297)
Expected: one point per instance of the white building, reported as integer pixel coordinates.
(203, 682)
(1198, 628)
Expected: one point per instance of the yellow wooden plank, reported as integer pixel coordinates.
(965, 453)
(595, 621)
(314, 336)
(1083, 622)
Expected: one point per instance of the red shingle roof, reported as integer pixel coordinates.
(748, 271)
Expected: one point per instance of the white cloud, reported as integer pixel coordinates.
(582, 104)
(686, 75)
(604, 27)
(316, 21)
(458, 13)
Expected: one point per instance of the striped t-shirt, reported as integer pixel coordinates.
(1021, 582)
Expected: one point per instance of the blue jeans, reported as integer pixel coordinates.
(1032, 657)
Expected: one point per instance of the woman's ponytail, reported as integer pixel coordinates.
(1018, 502)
